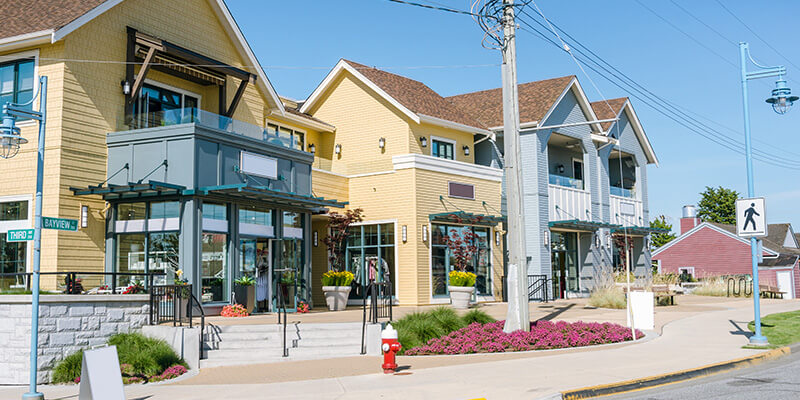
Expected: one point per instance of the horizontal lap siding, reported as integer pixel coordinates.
(709, 252)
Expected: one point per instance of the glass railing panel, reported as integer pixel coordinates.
(566, 182)
(622, 192)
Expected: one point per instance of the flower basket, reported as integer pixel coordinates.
(462, 284)
(336, 286)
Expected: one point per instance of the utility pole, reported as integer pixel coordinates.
(517, 317)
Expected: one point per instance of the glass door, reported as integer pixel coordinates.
(254, 262)
(286, 271)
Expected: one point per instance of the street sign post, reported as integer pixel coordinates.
(751, 217)
(61, 224)
(19, 235)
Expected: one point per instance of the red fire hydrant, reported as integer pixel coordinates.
(390, 346)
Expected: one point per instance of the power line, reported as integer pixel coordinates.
(447, 9)
(703, 23)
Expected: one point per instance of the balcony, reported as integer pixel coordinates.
(564, 181)
(567, 202)
(180, 116)
(622, 192)
(626, 211)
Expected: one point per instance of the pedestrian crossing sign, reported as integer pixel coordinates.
(751, 217)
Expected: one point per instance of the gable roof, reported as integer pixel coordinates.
(619, 105)
(535, 100)
(603, 112)
(413, 98)
(24, 20)
(724, 229)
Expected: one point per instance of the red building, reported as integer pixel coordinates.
(706, 249)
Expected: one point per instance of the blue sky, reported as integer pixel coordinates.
(298, 42)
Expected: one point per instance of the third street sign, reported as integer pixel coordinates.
(61, 224)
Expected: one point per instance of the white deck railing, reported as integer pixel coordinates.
(627, 211)
(567, 203)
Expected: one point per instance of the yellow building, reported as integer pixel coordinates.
(183, 65)
(405, 156)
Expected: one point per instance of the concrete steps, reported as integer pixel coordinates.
(260, 344)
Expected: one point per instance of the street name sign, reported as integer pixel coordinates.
(19, 235)
(751, 217)
(61, 224)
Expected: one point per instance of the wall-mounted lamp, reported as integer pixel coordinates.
(497, 238)
(597, 239)
(546, 238)
(337, 149)
(312, 148)
(560, 168)
(425, 233)
(404, 233)
(466, 150)
(381, 143)
(316, 239)
(84, 216)
(608, 240)
(423, 141)
(126, 87)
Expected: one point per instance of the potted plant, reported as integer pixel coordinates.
(336, 286)
(287, 282)
(183, 295)
(462, 283)
(336, 282)
(244, 292)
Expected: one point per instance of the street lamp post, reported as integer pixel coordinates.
(781, 100)
(10, 141)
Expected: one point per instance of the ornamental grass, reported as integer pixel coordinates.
(490, 338)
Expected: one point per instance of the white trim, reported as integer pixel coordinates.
(341, 66)
(524, 125)
(26, 40)
(421, 161)
(83, 19)
(690, 270)
(329, 172)
(27, 54)
(310, 123)
(370, 174)
(214, 225)
(182, 92)
(450, 194)
(27, 223)
(444, 140)
(395, 244)
(452, 125)
(638, 130)
(707, 225)
(583, 102)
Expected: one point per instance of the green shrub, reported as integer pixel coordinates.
(463, 279)
(607, 297)
(447, 319)
(418, 328)
(477, 316)
(69, 368)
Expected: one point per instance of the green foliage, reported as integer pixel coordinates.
(781, 329)
(337, 278)
(245, 281)
(463, 279)
(146, 356)
(418, 328)
(659, 239)
(718, 205)
(69, 368)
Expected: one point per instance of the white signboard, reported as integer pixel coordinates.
(100, 375)
(258, 165)
(751, 217)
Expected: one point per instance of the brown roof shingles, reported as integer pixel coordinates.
(27, 16)
(535, 99)
(415, 95)
(603, 112)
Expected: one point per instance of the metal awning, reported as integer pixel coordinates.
(463, 217)
(262, 193)
(638, 230)
(131, 190)
(579, 225)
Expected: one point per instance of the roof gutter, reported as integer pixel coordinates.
(452, 125)
(310, 123)
(26, 40)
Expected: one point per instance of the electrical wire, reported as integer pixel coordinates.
(447, 9)
(703, 23)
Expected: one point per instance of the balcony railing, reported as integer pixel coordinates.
(566, 181)
(213, 121)
(622, 192)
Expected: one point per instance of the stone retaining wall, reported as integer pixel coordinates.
(67, 323)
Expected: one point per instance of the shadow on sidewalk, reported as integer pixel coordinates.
(739, 330)
(557, 311)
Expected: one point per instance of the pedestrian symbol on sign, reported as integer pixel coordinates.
(751, 218)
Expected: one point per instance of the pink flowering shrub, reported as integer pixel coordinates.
(490, 338)
(169, 373)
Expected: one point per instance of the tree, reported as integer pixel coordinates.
(659, 239)
(463, 246)
(337, 238)
(718, 205)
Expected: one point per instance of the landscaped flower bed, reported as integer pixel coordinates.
(490, 338)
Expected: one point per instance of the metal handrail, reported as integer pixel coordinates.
(202, 321)
(281, 304)
(742, 287)
(538, 284)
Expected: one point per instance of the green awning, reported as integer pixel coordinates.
(639, 230)
(579, 225)
(131, 190)
(262, 193)
(463, 217)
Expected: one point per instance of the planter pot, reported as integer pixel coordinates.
(460, 296)
(246, 296)
(336, 297)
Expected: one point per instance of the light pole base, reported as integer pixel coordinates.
(33, 396)
(758, 340)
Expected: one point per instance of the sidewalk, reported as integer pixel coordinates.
(692, 339)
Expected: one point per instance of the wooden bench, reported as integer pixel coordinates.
(770, 291)
(663, 292)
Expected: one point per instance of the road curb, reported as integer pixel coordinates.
(674, 377)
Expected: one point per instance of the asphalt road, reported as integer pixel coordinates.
(776, 380)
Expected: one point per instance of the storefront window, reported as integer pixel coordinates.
(130, 256)
(163, 256)
(443, 261)
(13, 211)
(370, 255)
(12, 260)
(215, 211)
(292, 225)
(564, 260)
(165, 209)
(215, 267)
(131, 211)
(255, 215)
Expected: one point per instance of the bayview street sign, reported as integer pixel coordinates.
(19, 235)
(61, 224)
(751, 217)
